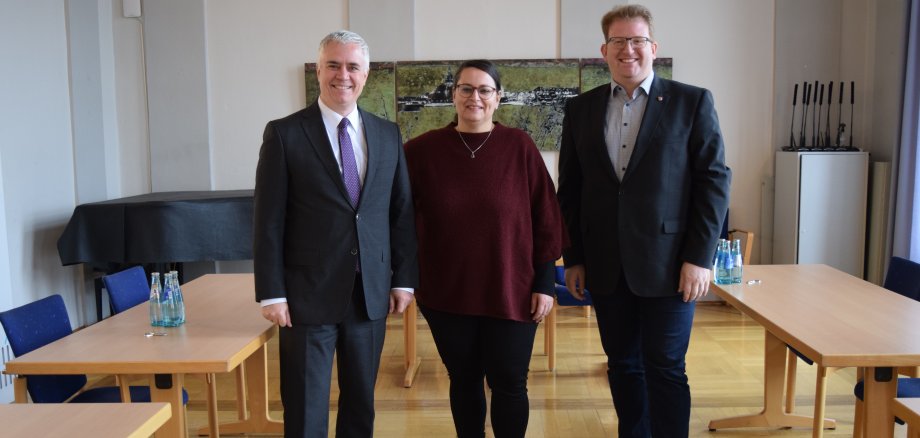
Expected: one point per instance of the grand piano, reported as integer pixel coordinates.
(158, 228)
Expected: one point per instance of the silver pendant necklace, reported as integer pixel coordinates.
(473, 151)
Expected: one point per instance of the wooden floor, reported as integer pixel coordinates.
(724, 364)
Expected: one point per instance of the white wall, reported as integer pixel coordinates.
(36, 155)
(256, 56)
(133, 168)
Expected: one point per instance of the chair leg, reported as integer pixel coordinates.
(859, 411)
(791, 363)
(549, 340)
(859, 420)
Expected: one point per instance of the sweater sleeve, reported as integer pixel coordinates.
(544, 278)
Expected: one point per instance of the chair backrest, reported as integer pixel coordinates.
(127, 288)
(903, 277)
(35, 325)
(560, 275)
(563, 296)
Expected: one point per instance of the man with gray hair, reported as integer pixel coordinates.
(334, 245)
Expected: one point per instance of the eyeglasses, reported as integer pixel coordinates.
(637, 42)
(466, 90)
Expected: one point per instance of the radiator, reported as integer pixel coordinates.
(6, 380)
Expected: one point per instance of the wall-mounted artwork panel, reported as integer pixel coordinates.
(417, 94)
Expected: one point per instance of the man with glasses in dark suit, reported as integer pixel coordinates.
(643, 188)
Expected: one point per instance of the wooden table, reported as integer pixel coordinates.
(97, 420)
(908, 409)
(835, 319)
(224, 329)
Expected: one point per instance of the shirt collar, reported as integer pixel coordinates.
(645, 85)
(333, 118)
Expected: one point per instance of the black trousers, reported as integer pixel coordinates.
(306, 353)
(477, 347)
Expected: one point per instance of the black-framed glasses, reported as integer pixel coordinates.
(466, 90)
(636, 42)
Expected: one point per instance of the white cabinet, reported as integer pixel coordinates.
(819, 213)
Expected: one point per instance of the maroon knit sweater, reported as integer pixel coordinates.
(483, 223)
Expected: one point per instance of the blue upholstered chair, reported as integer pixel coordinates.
(127, 288)
(39, 323)
(903, 277)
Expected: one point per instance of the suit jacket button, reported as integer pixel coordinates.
(354, 251)
(357, 217)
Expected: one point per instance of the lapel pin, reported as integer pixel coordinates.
(660, 99)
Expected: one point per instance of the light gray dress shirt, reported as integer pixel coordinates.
(624, 116)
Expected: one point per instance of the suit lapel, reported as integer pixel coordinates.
(658, 98)
(372, 140)
(598, 122)
(315, 131)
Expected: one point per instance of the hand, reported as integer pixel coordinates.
(694, 282)
(540, 305)
(575, 281)
(278, 314)
(399, 300)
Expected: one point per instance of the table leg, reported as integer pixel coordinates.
(242, 410)
(213, 426)
(168, 388)
(773, 413)
(410, 327)
(881, 387)
(20, 390)
(257, 381)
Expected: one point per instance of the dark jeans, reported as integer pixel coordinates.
(473, 347)
(646, 341)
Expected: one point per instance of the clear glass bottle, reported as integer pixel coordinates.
(156, 308)
(168, 302)
(737, 264)
(724, 263)
(179, 301)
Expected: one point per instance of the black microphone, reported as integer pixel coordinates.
(806, 96)
(795, 96)
(814, 124)
(852, 101)
(840, 125)
(819, 141)
(827, 119)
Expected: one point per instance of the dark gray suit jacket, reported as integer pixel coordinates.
(669, 207)
(307, 235)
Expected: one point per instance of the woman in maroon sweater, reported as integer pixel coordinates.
(489, 231)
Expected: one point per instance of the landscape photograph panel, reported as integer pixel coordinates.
(417, 95)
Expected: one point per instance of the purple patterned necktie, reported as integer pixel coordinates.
(349, 167)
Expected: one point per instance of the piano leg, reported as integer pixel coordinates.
(97, 285)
